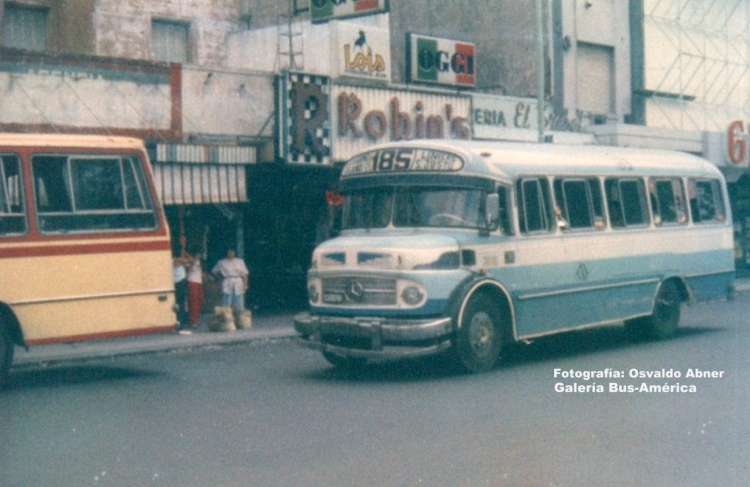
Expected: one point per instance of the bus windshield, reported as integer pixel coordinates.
(413, 206)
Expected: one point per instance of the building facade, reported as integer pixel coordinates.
(249, 107)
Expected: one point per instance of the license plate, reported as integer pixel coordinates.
(333, 298)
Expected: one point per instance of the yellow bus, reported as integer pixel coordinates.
(84, 246)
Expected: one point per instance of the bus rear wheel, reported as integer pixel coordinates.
(479, 339)
(6, 353)
(664, 319)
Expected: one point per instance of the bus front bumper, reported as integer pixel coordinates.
(373, 338)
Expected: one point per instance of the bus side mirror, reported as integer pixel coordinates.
(492, 209)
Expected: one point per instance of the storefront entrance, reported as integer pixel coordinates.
(275, 231)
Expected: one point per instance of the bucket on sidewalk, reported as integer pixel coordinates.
(222, 320)
(243, 319)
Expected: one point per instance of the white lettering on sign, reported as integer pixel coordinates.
(403, 159)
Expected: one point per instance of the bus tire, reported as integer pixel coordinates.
(479, 339)
(6, 353)
(344, 363)
(663, 321)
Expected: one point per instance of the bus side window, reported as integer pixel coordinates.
(91, 194)
(668, 201)
(136, 190)
(504, 214)
(706, 202)
(533, 205)
(580, 202)
(52, 184)
(626, 202)
(97, 184)
(12, 214)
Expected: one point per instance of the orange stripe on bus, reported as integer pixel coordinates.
(100, 336)
(97, 248)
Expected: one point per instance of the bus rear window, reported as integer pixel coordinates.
(91, 194)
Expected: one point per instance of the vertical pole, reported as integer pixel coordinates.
(240, 235)
(540, 69)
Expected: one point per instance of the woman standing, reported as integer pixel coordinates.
(234, 284)
(195, 286)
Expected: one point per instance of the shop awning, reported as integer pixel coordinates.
(187, 174)
(192, 184)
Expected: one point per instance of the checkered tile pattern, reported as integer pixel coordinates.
(323, 134)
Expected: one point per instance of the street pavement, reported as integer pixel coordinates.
(267, 326)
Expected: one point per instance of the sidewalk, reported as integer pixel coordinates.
(266, 326)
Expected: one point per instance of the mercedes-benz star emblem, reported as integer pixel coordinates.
(354, 291)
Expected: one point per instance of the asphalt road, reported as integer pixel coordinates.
(275, 415)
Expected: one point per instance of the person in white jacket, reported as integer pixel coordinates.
(234, 280)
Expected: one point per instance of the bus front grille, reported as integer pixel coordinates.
(359, 291)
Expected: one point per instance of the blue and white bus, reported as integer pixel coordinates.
(468, 246)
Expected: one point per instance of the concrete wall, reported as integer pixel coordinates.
(503, 31)
(70, 26)
(229, 103)
(600, 22)
(123, 27)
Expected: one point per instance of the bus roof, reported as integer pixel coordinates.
(69, 140)
(510, 159)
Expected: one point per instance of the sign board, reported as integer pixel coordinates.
(737, 140)
(364, 116)
(496, 117)
(361, 52)
(325, 10)
(39, 92)
(303, 118)
(441, 61)
(504, 117)
(403, 159)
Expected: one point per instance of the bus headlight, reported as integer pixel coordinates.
(313, 291)
(412, 295)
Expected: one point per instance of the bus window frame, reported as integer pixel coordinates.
(718, 206)
(544, 196)
(594, 203)
(505, 218)
(642, 198)
(105, 219)
(679, 200)
(9, 197)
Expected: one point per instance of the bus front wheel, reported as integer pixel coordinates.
(6, 353)
(664, 319)
(479, 339)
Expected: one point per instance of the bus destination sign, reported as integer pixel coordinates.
(403, 159)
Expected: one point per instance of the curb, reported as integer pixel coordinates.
(742, 285)
(43, 356)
